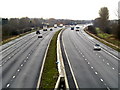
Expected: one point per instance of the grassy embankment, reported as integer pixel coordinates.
(108, 39)
(50, 72)
(14, 37)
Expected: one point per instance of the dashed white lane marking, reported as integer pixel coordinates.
(85, 59)
(103, 60)
(99, 56)
(108, 64)
(21, 65)
(108, 88)
(8, 85)
(0, 65)
(9, 57)
(29, 54)
(83, 55)
(101, 80)
(27, 57)
(96, 73)
(113, 68)
(24, 60)
(18, 70)
(13, 76)
(88, 63)
(92, 67)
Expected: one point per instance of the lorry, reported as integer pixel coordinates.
(44, 28)
(55, 25)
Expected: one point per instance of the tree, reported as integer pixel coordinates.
(104, 16)
(24, 22)
(104, 13)
(118, 30)
(4, 21)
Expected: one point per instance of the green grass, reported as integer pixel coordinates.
(109, 38)
(50, 72)
(98, 30)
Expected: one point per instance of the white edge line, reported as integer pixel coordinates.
(41, 71)
(61, 69)
(111, 54)
(70, 66)
(104, 49)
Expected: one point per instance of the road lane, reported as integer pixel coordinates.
(30, 72)
(22, 70)
(17, 44)
(90, 70)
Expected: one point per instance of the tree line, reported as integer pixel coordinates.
(106, 25)
(16, 26)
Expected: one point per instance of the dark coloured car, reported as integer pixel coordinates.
(38, 32)
(51, 29)
(72, 28)
(44, 29)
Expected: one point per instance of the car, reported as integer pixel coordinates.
(40, 36)
(77, 29)
(38, 32)
(51, 29)
(72, 28)
(97, 47)
(55, 26)
(44, 29)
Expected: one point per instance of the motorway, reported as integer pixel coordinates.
(91, 69)
(22, 60)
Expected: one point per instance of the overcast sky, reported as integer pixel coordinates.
(59, 9)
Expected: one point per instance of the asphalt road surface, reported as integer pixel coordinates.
(22, 60)
(92, 69)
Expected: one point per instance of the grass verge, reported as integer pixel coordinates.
(50, 73)
(14, 37)
(106, 42)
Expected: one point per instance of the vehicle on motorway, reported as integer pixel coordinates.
(40, 36)
(61, 25)
(51, 29)
(55, 25)
(72, 28)
(97, 47)
(77, 29)
(44, 28)
(38, 32)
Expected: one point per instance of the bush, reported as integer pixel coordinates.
(15, 32)
(92, 29)
(108, 30)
